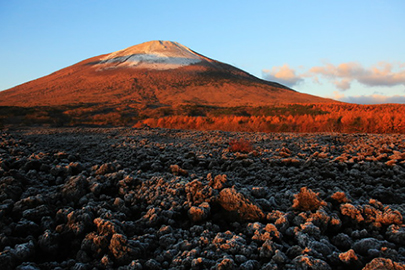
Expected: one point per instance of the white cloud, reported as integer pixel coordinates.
(342, 75)
(284, 75)
(343, 84)
(369, 99)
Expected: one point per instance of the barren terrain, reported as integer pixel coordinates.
(121, 198)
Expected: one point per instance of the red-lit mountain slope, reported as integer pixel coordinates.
(154, 73)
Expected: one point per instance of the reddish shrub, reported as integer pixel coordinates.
(388, 217)
(383, 263)
(340, 197)
(235, 203)
(352, 211)
(348, 256)
(241, 145)
(217, 182)
(176, 170)
(307, 200)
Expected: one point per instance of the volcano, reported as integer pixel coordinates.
(155, 73)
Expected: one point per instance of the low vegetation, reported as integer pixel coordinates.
(307, 200)
(305, 118)
(344, 118)
(240, 145)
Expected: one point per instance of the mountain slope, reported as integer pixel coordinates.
(158, 73)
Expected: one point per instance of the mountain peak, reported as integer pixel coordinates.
(153, 74)
(157, 54)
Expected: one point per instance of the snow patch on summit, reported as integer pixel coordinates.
(160, 55)
(151, 61)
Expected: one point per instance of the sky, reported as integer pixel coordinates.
(352, 51)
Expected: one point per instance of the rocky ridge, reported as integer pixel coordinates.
(81, 198)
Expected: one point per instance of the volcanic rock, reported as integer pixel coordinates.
(132, 216)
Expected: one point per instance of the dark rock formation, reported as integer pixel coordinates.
(112, 199)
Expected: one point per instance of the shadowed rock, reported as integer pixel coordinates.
(75, 188)
(138, 216)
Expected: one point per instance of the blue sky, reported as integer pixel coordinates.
(349, 50)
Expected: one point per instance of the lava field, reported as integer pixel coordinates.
(126, 198)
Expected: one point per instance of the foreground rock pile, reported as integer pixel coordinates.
(166, 199)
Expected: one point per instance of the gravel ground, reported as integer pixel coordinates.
(120, 198)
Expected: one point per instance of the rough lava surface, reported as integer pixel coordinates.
(120, 198)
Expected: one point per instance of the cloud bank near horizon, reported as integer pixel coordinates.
(383, 74)
(369, 99)
(342, 75)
